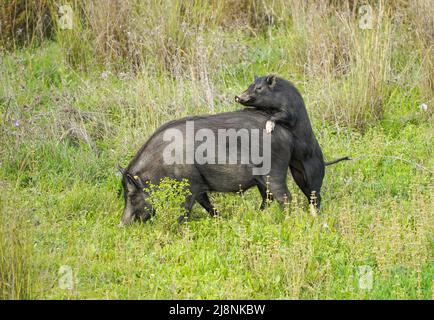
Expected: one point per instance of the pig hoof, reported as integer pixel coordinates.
(182, 219)
(269, 126)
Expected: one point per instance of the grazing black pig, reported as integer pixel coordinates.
(220, 168)
(284, 104)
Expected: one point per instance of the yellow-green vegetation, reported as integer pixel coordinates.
(167, 199)
(74, 102)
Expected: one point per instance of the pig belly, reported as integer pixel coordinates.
(227, 178)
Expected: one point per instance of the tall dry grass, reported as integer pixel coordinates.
(347, 67)
(25, 22)
(15, 251)
(421, 14)
(348, 71)
(130, 33)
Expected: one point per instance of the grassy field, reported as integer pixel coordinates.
(73, 103)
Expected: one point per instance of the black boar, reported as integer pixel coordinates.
(285, 106)
(214, 174)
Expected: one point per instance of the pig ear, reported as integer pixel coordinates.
(136, 181)
(121, 170)
(271, 79)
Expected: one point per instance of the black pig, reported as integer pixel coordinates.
(148, 165)
(285, 106)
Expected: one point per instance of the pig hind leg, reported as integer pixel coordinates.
(299, 177)
(262, 187)
(308, 175)
(263, 191)
(280, 192)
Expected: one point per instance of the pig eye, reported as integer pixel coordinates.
(258, 88)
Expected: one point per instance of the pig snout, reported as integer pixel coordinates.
(240, 99)
(243, 98)
(127, 217)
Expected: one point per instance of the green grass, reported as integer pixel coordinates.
(61, 195)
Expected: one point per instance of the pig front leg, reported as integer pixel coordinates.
(285, 117)
(205, 202)
(269, 126)
(188, 204)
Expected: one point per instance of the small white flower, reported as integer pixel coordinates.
(423, 107)
(17, 123)
(104, 75)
